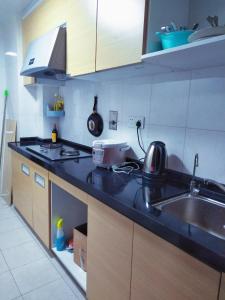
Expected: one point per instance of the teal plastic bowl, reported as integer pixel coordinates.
(174, 39)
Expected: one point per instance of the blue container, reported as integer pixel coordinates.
(174, 38)
(54, 113)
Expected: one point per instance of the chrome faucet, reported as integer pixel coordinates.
(193, 184)
(213, 182)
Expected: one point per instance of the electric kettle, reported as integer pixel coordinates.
(155, 160)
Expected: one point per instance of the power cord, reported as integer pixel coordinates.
(126, 167)
(138, 125)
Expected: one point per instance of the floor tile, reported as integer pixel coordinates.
(76, 290)
(34, 275)
(14, 238)
(10, 224)
(23, 254)
(8, 288)
(56, 290)
(3, 265)
(6, 212)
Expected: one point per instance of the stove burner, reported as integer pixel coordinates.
(73, 152)
(50, 146)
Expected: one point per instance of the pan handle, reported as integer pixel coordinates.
(95, 104)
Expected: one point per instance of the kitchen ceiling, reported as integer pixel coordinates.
(10, 7)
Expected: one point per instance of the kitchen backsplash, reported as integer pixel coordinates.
(185, 110)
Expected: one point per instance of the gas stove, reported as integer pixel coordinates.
(57, 151)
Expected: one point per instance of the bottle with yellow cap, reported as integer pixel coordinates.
(60, 237)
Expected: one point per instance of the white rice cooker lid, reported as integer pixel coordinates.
(108, 144)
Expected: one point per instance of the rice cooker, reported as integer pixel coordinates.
(107, 153)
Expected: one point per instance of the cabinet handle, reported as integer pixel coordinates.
(25, 169)
(39, 180)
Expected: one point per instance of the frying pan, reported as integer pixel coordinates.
(95, 122)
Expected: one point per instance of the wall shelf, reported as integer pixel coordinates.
(54, 113)
(206, 53)
(197, 55)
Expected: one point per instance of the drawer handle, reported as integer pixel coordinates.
(39, 180)
(25, 169)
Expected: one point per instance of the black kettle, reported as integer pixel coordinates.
(155, 160)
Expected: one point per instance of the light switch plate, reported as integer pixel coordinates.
(113, 119)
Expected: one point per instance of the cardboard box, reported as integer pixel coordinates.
(80, 246)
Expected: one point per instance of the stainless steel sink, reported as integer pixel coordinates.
(200, 211)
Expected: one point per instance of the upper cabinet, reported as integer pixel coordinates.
(48, 15)
(81, 36)
(101, 34)
(120, 28)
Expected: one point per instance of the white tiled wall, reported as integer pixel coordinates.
(185, 110)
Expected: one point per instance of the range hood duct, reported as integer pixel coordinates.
(46, 56)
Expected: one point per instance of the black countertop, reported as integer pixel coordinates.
(133, 196)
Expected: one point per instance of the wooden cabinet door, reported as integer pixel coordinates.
(41, 211)
(22, 187)
(162, 271)
(109, 251)
(81, 36)
(120, 28)
(222, 288)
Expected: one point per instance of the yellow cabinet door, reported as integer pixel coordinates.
(41, 211)
(120, 30)
(81, 36)
(109, 251)
(162, 271)
(22, 187)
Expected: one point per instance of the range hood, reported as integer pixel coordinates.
(46, 56)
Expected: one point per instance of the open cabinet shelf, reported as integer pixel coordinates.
(66, 258)
(74, 214)
(197, 55)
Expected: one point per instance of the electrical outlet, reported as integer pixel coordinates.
(132, 120)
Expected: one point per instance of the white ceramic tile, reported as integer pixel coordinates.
(136, 101)
(210, 146)
(111, 97)
(169, 99)
(207, 105)
(9, 224)
(174, 138)
(23, 254)
(8, 288)
(14, 238)
(3, 265)
(76, 290)
(34, 275)
(6, 212)
(56, 290)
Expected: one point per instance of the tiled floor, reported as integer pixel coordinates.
(27, 272)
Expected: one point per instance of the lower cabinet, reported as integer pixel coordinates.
(31, 195)
(162, 271)
(41, 210)
(22, 187)
(222, 288)
(109, 253)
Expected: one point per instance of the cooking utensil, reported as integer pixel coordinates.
(95, 122)
(195, 26)
(206, 33)
(213, 21)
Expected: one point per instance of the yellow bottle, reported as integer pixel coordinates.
(54, 134)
